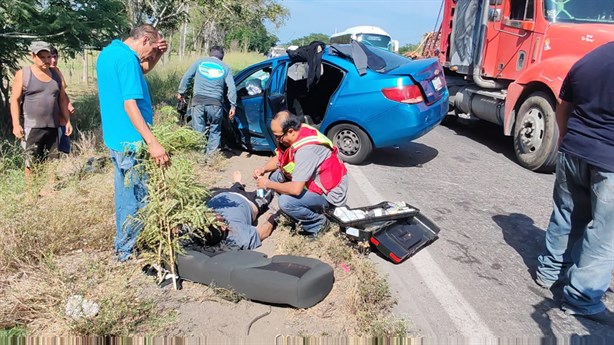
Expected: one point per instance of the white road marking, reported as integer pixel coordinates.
(462, 314)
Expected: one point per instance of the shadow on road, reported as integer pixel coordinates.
(520, 232)
(408, 155)
(485, 133)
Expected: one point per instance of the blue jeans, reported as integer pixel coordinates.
(130, 194)
(64, 144)
(203, 115)
(307, 208)
(580, 236)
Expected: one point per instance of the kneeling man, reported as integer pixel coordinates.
(307, 173)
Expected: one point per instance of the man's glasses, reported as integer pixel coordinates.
(279, 137)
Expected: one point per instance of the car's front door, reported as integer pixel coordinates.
(250, 107)
(275, 96)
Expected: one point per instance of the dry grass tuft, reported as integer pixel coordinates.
(37, 297)
(77, 213)
(360, 296)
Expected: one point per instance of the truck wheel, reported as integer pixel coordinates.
(536, 133)
(353, 143)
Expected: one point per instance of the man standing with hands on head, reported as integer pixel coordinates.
(127, 113)
(307, 173)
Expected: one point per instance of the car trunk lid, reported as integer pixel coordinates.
(427, 74)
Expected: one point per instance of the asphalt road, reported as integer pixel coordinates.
(476, 280)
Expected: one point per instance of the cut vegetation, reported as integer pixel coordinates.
(58, 235)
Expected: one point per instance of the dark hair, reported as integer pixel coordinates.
(53, 51)
(146, 30)
(217, 51)
(288, 120)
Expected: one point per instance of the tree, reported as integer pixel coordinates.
(71, 25)
(408, 48)
(256, 38)
(216, 18)
(163, 14)
(310, 38)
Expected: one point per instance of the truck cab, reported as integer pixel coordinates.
(505, 61)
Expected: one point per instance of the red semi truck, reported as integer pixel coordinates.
(505, 61)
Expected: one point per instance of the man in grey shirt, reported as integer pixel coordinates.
(211, 76)
(307, 173)
(39, 96)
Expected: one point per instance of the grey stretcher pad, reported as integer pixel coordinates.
(283, 279)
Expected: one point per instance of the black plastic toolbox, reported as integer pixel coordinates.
(396, 229)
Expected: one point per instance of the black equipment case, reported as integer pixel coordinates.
(396, 229)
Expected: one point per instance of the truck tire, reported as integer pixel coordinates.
(353, 143)
(536, 133)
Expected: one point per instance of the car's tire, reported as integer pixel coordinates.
(536, 133)
(353, 143)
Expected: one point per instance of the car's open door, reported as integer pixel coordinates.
(250, 108)
(275, 99)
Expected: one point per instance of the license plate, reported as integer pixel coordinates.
(437, 83)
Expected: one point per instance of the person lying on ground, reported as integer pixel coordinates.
(239, 211)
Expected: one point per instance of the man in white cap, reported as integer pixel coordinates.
(38, 95)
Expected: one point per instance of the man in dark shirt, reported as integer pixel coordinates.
(580, 236)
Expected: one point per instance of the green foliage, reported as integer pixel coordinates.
(175, 197)
(13, 335)
(214, 19)
(254, 38)
(163, 86)
(71, 25)
(11, 156)
(408, 48)
(310, 38)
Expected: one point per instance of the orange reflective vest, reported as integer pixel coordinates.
(330, 172)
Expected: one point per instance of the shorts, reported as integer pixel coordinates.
(40, 144)
(64, 144)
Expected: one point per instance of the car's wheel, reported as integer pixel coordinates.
(353, 143)
(536, 133)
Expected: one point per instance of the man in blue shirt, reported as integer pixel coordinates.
(127, 113)
(580, 236)
(211, 77)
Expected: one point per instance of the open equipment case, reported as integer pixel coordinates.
(396, 229)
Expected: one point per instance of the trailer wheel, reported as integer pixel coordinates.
(353, 143)
(536, 133)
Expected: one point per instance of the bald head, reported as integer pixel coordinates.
(285, 127)
(287, 121)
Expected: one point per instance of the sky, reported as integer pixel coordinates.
(404, 20)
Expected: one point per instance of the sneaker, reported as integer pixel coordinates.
(605, 317)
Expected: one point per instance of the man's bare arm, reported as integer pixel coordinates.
(156, 151)
(148, 65)
(294, 188)
(563, 112)
(16, 94)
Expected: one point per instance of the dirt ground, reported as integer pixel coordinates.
(201, 315)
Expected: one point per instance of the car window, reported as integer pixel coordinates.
(254, 84)
(392, 60)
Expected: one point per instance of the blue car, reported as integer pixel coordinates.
(400, 102)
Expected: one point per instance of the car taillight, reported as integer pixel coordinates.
(405, 94)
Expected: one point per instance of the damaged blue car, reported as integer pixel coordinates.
(362, 99)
